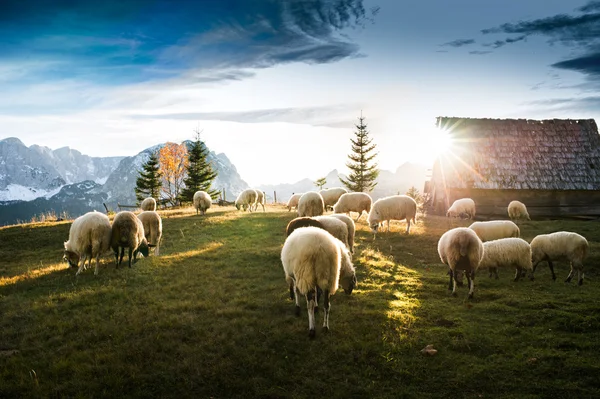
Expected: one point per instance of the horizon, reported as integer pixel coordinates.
(277, 86)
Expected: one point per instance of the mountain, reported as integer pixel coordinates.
(27, 173)
(388, 183)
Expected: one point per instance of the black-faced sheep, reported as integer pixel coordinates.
(353, 202)
(334, 226)
(89, 237)
(495, 229)
(395, 207)
(331, 196)
(462, 251)
(311, 204)
(246, 200)
(505, 253)
(312, 258)
(464, 207)
(517, 210)
(304, 221)
(152, 229)
(561, 246)
(202, 201)
(128, 232)
(148, 204)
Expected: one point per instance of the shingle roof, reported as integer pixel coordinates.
(554, 154)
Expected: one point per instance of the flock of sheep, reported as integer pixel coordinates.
(496, 243)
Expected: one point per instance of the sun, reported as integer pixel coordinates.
(441, 141)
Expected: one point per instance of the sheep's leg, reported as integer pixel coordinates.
(263, 205)
(130, 253)
(97, 263)
(122, 254)
(471, 283)
(310, 303)
(580, 275)
(326, 306)
(80, 267)
(518, 273)
(407, 226)
(551, 266)
(296, 297)
(389, 225)
(451, 274)
(319, 293)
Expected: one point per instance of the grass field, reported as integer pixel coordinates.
(211, 317)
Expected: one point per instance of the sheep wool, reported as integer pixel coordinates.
(202, 201)
(495, 229)
(304, 221)
(505, 253)
(89, 238)
(335, 227)
(395, 207)
(311, 204)
(351, 228)
(260, 200)
(561, 246)
(128, 232)
(246, 199)
(293, 201)
(517, 210)
(148, 204)
(462, 250)
(152, 229)
(332, 195)
(353, 202)
(464, 207)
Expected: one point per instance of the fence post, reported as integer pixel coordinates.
(274, 196)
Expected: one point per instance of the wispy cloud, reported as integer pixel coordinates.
(459, 43)
(479, 52)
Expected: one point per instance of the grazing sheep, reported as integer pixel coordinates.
(353, 202)
(395, 207)
(152, 229)
(462, 251)
(148, 204)
(293, 201)
(246, 199)
(561, 246)
(202, 201)
(462, 207)
(313, 259)
(507, 252)
(311, 204)
(351, 228)
(304, 221)
(260, 200)
(495, 229)
(128, 232)
(517, 210)
(89, 237)
(336, 227)
(332, 195)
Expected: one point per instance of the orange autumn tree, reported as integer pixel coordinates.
(173, 159)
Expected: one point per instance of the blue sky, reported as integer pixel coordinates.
(278, 84)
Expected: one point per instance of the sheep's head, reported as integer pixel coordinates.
(347, 273)
(71, 257)
(348, 282)
(374, 226)
(144, 249)
(237, 206)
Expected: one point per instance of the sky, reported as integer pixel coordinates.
(278, 85)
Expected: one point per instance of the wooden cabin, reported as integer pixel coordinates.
(553, 166)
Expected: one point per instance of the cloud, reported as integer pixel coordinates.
(479, 52)
(120, 42)
(588, 64)
(459, 43)
(590, 104)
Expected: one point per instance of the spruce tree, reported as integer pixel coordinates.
(363, 172)
(149, 183)
(321, 182)
(200, 173)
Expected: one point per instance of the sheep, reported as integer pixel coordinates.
(260, 200)
(462, 207)
(128, 231)
(495, 229)
(560, 246)
(310, 204)
(507, 252)
(334, 226)
(517, 210)
(351, 228)
(395, 207)
(332, 195)
(152, 229)
(462, 251)
(246, 200)
(304, 221)
(313, 259)
(353, 202)
(148, 204)
(202, 201)
(293, 201)
(89, 237)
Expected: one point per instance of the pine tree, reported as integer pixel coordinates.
(321, 182)
(363, 173)
(149, 183)
(200, 173)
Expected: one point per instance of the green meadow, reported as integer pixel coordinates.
(211, 318)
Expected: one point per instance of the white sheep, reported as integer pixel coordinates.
(128, 232)
(462, 207)
(293, 201)
(89, 237)
(462, 251)
(336, 227)
(517, 210)
(148, 204)
(313, 259)
(246, 199)
(332, 195)
(260, 200)
(395, 207)
(561, 246)
(202, 201)
(351, 228)
(353, 202)
(495, 229)
(310, 204)
(507, 252)
(152, 229)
